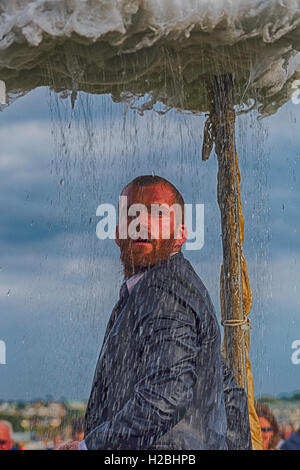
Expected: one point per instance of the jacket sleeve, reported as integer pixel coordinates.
(238, 436)
(167, 348)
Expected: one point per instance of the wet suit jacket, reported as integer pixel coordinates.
(160, 382)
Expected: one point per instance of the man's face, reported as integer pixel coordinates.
(138, 254)
(6, 442)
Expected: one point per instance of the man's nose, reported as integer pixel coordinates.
(145, 220)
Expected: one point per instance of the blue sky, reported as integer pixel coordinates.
(59, 282)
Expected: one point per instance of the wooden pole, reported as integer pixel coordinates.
(222, 119)
(235, 291)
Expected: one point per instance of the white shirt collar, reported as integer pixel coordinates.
(132, 281)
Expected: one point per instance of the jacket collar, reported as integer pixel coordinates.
(133, 280)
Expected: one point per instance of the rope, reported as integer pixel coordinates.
(244, 323)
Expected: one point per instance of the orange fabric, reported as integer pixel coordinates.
(247, 305)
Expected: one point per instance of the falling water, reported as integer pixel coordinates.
(125, 94)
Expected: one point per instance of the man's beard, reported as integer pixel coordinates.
(138, 260)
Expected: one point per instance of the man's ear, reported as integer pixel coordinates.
(117, 236)
(181, 235)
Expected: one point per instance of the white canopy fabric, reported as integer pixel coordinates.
(257, 40)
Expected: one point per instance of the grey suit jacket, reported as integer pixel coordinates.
(158, 383)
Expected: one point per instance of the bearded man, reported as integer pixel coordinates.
(159, 380)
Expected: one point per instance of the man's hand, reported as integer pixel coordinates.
(69, 446)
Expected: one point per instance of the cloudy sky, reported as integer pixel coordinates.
(59, 282)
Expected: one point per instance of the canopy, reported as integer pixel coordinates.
(161, 48)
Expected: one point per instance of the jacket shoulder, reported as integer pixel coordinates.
(178, 278)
